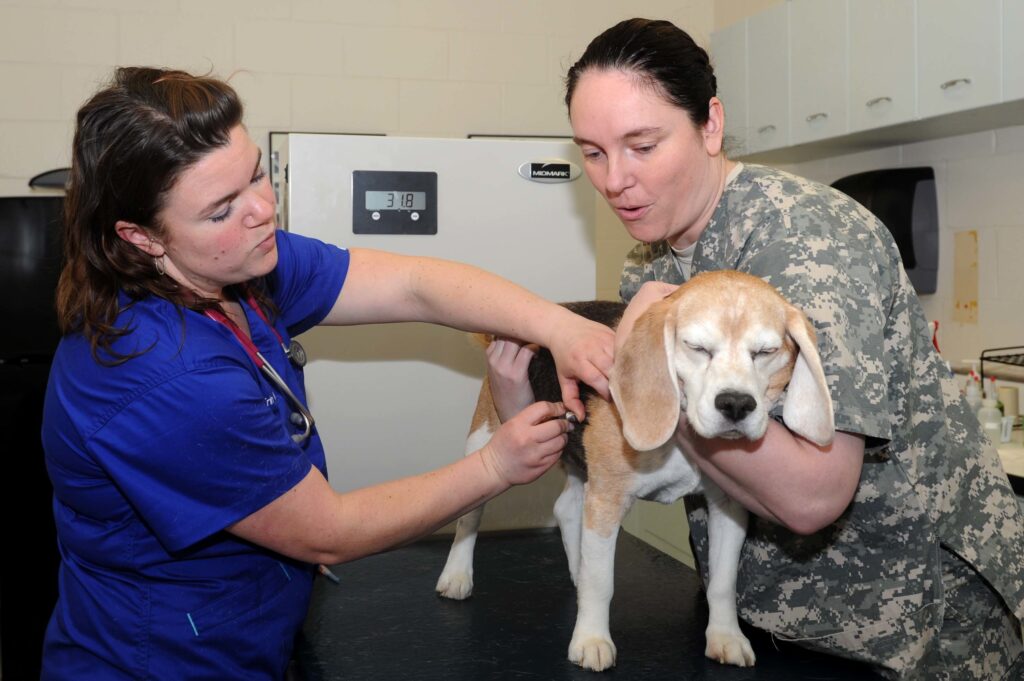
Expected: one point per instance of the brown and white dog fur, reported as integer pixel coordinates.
(722, 350)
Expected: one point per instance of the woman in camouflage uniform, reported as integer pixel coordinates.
(901, 544)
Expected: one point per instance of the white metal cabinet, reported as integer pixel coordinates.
(768, 79)
(729, 56)
(882, 76)
(958, 55)
(817, 57)
(396, 399)
(1013, 50)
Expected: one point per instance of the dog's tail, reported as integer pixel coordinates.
(481, 340)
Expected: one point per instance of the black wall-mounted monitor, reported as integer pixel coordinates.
(30, 264)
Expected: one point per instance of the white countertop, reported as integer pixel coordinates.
(1012, 456)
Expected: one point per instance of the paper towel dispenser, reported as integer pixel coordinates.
(904, 200)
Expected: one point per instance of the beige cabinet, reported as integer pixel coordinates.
(882, 78)
(768, 79)
(1013, 50)
(823, 76)
(958, 55)
(818, 76)
(729, 58)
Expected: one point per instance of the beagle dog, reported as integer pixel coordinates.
(723, 350)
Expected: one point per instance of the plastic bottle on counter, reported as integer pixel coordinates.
(972, 392)
(991, 419)
(991, 393)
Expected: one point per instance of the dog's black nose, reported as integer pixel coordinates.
(734, 405)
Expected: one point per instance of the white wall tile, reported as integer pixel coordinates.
(534, 110)
(959, 147)
(890, 157)
(29, 148)
(396, 53)
(78, 84)
(1010, 140)
(575, 18)
(290, 47)
(1009, 261)
(502, 57)
(30, 92)
(178, 42)
(564, 51)
(376, 13)
(344, 105)
(457, 15)
(1002, 324)
(29, 3)
(267, 98)
(236, 9)
(150, 6)
(985, 189)
(53, 36)
(526, 16)
(448, 108)
(13, 186)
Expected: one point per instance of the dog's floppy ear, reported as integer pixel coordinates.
(808, 407)
(643, 382)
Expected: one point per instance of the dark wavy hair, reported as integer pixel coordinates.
(661, 55)
(133, 140)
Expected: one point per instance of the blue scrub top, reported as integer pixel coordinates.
(151, 459)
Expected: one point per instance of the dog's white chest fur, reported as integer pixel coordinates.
(666, 475)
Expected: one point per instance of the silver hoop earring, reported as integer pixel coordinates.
(158, 263)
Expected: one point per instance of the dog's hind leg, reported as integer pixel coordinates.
(456, 580)
(569, 514)
(727, 528)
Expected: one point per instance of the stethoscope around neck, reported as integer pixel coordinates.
(295, 354)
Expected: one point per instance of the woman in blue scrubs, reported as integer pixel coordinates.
(190, 490)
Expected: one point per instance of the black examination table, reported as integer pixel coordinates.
(384, 621)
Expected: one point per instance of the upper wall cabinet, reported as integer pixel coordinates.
(729, 56)
(1013, 49)
(817, 58)
(882, 78)
(823, 77)
(768, 79)
(958, 47)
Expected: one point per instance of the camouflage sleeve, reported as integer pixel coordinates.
(648, 262)
(844, 293)
(633, 272)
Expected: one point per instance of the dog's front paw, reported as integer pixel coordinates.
(729, 646)
(592, 652)
(457, 585)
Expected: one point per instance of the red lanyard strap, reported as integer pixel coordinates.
(250, 347)
(259, 311)
(263, 365)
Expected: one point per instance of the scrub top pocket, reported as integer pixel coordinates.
(251, 598)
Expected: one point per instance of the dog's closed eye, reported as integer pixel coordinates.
(699, 349)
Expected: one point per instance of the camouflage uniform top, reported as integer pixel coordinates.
(868, 586)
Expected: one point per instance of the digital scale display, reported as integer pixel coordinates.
(394, 202)
(395, 199)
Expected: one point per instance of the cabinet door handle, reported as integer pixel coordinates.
(877, 100)
(816, 116)
(765, 129)
(956, 81)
